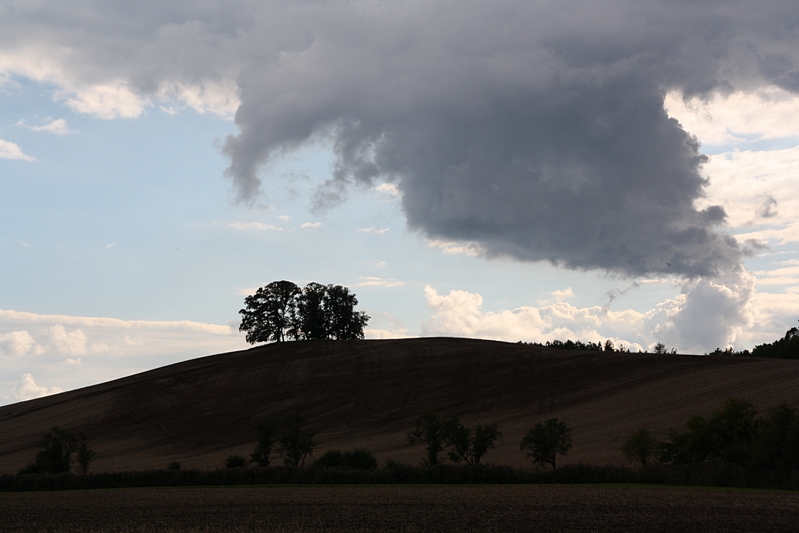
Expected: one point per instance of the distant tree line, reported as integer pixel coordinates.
(282, 311)
(734, 435)
(784, 348)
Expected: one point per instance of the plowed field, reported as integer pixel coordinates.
(368, 393)
(400, 509)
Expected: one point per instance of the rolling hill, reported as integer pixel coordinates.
(368, 393)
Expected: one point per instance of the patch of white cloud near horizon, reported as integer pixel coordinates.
(9, 150)
(311, 225)
(456, 248)
(27, 389)
(706, 315)
(254, 226)
(88, 350)
(373, 231)
(373, 281)
(385, 326)
(55, 126)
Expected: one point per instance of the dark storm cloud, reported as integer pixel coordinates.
(534, 128)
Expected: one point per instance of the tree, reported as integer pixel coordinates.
(267, 430)
(271, 313)
(282, 311)
(430, 431)
(85, 453)
(467, 445)
(313, 322)
(640, 447)
(544, 441)
(729, 435)
(660, 348)
(343, 322)
(55, 457)
(295, 442)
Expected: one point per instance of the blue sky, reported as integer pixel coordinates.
(126, 245)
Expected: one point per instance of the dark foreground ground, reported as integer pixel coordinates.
(400, 508)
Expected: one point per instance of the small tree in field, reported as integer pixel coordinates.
(546, 440)
(640, 447)
(85, 453)
(430, 431)
(466, 444)
(295, 442)
(267, 437)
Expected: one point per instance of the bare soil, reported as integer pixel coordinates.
(368, 393)
(400, 509)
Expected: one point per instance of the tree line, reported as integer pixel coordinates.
(282, 311)
(734, 435)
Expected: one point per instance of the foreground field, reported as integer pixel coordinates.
(400, 508)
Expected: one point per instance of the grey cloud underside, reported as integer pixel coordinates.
(536, 131)
(534, 128)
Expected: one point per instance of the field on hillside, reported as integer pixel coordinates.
(369, 393)
(400, 509)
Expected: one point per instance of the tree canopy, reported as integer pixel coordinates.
(283, 311)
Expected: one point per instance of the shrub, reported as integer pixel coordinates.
(360, 459)
(640, 447)
(331, 459)
(235, 461)
(174, 465)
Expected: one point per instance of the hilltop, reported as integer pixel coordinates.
(368, 393)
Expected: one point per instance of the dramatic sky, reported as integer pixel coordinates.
(517, 170)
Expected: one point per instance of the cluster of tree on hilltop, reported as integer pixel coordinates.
(284, 311)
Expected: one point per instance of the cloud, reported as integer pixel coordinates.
(563, 295)
(56, 126)
(27, 389)
(19, 343)
(371, 281)
(80, 351)
(373, 231)
(9, 150)
(254, 226)
(456, 248)
(311, 225)
(73, 342)
(535, 130)
(707, 314)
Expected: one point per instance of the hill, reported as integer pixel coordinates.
(368, 393)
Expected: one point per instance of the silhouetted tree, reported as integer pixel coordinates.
(282, 311)
(85, 453)
(545, 441)
(640, 447)
(466, 444)
(729, 435)
(267, 430)
(430, 431)
(313, 321)
(55, 457)
(784, 348)
(271, 313)
(295, 442)
(343, 321)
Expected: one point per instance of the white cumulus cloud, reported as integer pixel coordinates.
(9, 150)
(27, 389)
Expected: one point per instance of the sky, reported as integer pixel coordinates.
(512, 170)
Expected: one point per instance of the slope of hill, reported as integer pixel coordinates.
(368, 393)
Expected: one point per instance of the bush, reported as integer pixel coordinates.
(174, 465)
(235, 461)
(640, 447)
(331, 459)
(357, 459)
